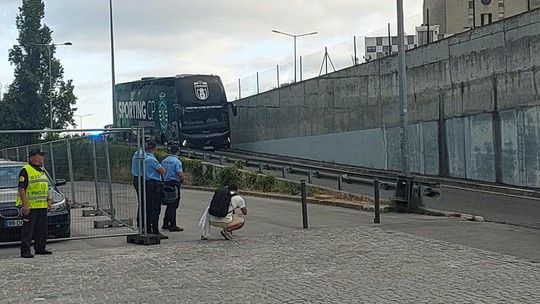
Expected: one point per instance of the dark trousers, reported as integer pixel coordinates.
(153, 206)
(34, 227)
(169, 219)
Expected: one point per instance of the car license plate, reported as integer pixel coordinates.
(14, 223)
(208, 148)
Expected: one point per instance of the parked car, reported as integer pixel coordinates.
(59, 217)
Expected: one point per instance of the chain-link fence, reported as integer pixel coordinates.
(326, 60)
(89, 176)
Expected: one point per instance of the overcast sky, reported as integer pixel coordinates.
(232, 39)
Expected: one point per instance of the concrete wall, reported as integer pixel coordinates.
(472, 104)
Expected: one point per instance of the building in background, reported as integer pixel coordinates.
(456, 16)
(379, 47)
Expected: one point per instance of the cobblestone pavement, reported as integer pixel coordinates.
(353, 265)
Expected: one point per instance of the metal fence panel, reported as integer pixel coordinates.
(93, 174)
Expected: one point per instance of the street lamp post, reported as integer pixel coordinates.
(81, 118)
(113, 80)
(294, 37)
(49, 46)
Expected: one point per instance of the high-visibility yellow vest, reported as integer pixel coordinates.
(37, 192)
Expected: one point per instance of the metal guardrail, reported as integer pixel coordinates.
(309, 171)
(387, 178)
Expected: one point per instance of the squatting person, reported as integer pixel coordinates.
(221, 212)
(35, 201)
(173, 178)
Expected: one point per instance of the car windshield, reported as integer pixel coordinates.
(9, 177)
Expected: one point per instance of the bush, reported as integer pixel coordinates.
(194, 170)
(230, 175)
(265, 183)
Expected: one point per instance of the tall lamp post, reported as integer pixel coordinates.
(81, 118)
(113, 80)
(294, 36)
(49, 46)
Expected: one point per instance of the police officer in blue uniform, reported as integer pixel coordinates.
(172, 178)
(153, 178)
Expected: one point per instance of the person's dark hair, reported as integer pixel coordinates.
(173, 149)
(233, 187)
(151, 145)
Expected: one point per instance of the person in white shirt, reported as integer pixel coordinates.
(230, 222)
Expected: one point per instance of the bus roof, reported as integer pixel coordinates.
(179, 76)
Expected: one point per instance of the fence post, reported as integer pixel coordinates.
(377, 219)
(141, 194)
(70, 168)
(304, 204)
(239, 89)
(258, 83)
(283, 171)
(109, 178)
(27, 152)
(310, 177)
(300, 68)
(96, 181)
(18, 159)
(52, 162)
(277, 70)
(260, 168)
(355, 55)
(340, 182)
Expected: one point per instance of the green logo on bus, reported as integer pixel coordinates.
(163, 114)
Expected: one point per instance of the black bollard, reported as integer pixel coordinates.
(377, 219)
(304, 204)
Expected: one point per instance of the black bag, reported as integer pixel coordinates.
(169, 194)
(219, 206)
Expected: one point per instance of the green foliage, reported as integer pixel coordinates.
(230, 175)
(194, 169)
(26, 103)
(161, 153)
(265, 183)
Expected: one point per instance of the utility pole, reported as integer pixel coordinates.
(389, 41)
(428, 29)
(402, 73)
(474, 14)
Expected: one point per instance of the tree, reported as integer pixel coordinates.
(26, 103)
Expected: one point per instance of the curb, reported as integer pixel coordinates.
(463, 216)
(341, 204)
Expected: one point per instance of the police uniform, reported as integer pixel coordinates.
(34, 181)
(153, 192)
(173, 166)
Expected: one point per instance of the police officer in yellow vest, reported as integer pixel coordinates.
(35, 202)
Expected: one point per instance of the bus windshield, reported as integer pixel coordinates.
(204, 120)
